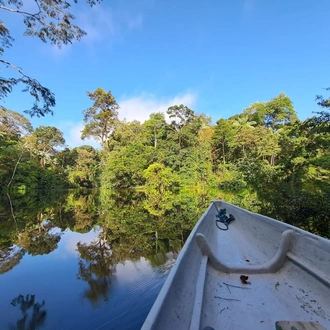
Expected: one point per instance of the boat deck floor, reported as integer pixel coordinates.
(289, 295)
(288, 284)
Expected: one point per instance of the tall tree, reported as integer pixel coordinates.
(223, 135)
(12, 127)
(267, 143)
(185, 125)
(245, 138)
(101, 117)
(155, 126)
(49, 20)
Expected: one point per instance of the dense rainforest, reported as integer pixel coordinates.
(264, 159)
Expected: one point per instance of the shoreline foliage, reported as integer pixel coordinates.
(264, 159)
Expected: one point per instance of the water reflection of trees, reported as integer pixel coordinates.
(33, 314)
(133, 224)
(133, 231)
(80, 211)
(96, 267)
(39, 238)
(130, 225)
(33, 223)
(137, 225)
(129, 231)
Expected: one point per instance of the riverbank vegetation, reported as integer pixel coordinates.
(264, 158)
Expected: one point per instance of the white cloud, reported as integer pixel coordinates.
(103, 25)
(140, 107)
(70, 240)
(131, 272)
(131, 108)
(248, 8)
(99, 23)
(72, 135)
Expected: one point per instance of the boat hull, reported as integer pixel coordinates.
(288, 276)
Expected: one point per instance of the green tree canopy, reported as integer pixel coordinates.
(43, 142)
(274, 113)
(14, 124)
(223, 136)
(321, 122)
(85, 168)
(155, 127)
(185, 125)
(126, 133)
(158, 177)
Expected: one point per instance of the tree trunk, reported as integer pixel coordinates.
(15, 169)
(223, 153)
(272, 160)
(155, 136)
(12, 210)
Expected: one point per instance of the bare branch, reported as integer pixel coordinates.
(17, 11)
(15, 68)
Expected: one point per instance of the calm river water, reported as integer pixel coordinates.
(88, 260)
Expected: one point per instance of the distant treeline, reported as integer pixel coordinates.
(264, 159)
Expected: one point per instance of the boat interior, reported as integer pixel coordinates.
(253, 273)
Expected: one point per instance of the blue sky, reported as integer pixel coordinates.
(216, 56)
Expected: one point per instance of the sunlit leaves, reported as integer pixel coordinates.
(274, 113)
(84, 170)
(160, 178)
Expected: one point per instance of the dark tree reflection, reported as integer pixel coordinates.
(96, 268)
(33, 313)
(39, 238)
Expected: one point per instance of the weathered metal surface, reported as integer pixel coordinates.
(288, 276)
(292, 325)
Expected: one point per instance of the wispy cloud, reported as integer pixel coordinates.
(103, 24)
(99, 23)
(107, 23)
(140, 107)
(248, 8)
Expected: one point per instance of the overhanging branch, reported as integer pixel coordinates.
(33, 86)
(17, 11)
